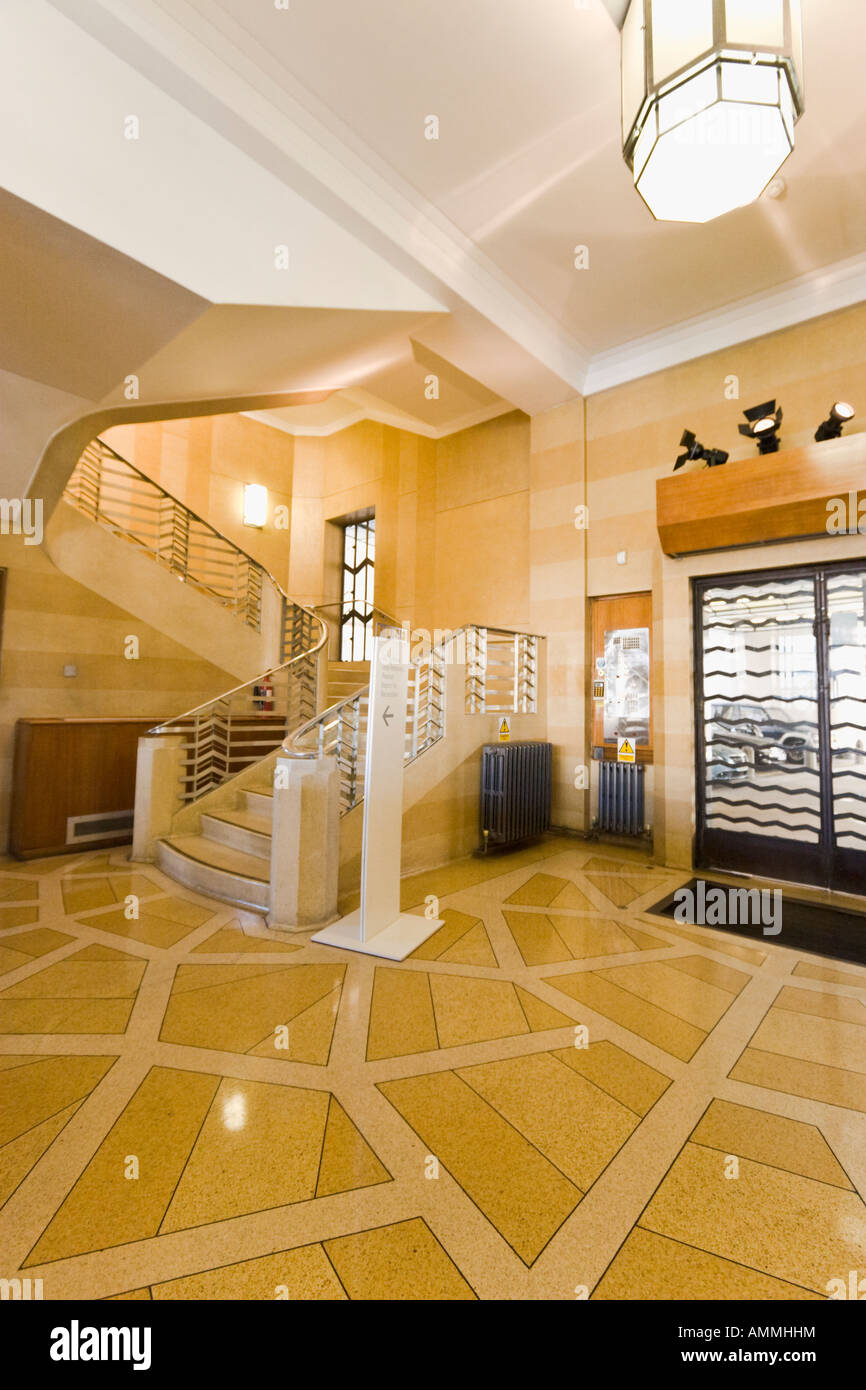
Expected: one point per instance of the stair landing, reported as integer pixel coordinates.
(346, 678)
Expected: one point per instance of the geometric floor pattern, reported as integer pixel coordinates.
(557, 1096)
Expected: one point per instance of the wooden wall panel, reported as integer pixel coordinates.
(70, 767)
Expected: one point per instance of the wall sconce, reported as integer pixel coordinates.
(255, 505)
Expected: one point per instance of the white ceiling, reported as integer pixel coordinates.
(416, 390)
(313, 118)
(180, 198)
(529, 160)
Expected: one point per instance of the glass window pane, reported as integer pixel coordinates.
(759, 23)
(846, 605)
(745, 82)
(760, 709)
(681, 31)
(357, 591)
(688, 99)
(627, 685)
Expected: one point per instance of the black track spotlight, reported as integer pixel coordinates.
(840, 415)
(714, 457)
(764, 422)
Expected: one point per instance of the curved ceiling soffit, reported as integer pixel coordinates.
(65, 447)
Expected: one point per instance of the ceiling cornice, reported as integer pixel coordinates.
(836, 286)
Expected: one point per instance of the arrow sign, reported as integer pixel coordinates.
(387, 715)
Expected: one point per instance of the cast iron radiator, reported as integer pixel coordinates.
(516, 790)
(621, 798)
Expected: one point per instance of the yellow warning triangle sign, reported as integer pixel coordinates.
(625, 751)
(504, 731)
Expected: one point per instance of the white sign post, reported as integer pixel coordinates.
(378, 928)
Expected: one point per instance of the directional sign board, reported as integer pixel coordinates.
(378, 928)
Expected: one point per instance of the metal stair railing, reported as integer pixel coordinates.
(225, 735)
(340, 731)
(109, 490)
(501, 671)
(379, 620)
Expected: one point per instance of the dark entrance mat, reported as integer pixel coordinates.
(810, 927)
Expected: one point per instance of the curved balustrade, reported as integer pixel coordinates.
(501, 677)
(240, 727)
(112, 492)
(224, 736)
(243, 725)
(381, 621)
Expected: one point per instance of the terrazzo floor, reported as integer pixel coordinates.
(557, 1096)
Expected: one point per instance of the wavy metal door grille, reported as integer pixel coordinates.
(781, 723)
(846, 609)
(760, 709)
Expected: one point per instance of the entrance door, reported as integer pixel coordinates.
(781, 724)
(845, 631)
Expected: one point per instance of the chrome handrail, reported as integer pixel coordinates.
(171, 532)
(165, 728)
(107, 448)
(239, 727)
(339, 730)
(358, 603)
(226, 735)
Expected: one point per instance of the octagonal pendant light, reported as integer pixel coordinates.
(711, 92)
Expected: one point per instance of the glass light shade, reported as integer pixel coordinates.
(681, 31)
(758, 22)
(255, 504)
(712, 90)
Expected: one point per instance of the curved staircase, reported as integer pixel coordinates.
(230, 857)
(205, 777)
(204, 791)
